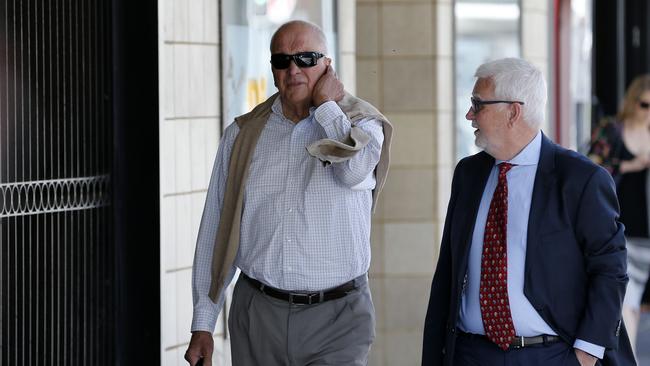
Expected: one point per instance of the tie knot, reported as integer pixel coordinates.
(504, 168)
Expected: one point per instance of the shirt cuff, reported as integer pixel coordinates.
(592, 349)
(327, 112)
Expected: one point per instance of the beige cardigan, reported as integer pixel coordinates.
(329, 151)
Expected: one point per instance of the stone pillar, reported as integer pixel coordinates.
(404, 67)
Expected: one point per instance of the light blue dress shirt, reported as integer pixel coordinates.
(527, 321)
(305, 226)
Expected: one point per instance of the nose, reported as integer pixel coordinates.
(293, 68)
(470, 114)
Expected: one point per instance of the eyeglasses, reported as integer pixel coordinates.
(478, 104)
(281, 61)
(644, 105)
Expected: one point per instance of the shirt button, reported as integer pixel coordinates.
(288, 240)
(291, 210)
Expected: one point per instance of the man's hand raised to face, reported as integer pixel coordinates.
(328, 88)
(201, 347)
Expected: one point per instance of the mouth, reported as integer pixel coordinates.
(295, 83)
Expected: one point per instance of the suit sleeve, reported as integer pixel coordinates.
(605, 257)
(438, 310)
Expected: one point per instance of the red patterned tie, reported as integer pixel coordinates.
(495, 307)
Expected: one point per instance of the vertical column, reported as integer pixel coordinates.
(189, 133)
(404, 67)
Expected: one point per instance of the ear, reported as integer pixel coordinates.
(515, 114)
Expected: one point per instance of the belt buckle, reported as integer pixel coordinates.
(309, 298)
(520, 340)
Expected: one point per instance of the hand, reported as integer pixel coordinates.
(327, 88)
(585, 358)
(201, 346)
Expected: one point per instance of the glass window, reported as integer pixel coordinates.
(246, 33)
(485, 30)
(580, 88)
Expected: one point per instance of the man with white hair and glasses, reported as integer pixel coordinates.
(532, 264)
(289, 204)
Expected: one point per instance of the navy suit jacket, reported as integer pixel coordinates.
(575, 270)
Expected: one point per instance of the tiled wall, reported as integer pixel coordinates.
(404, 67)
(189, 135)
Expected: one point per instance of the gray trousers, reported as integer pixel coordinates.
(266, 331)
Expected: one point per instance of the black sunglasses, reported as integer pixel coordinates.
(281, 61)
(644, 105)
(478, 104)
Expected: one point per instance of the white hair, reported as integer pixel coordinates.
(516, 79)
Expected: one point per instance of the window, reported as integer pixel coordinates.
(485, 30)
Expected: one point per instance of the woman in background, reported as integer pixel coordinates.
(622, 146)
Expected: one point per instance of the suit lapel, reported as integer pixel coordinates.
(544, 182)
(473, 193)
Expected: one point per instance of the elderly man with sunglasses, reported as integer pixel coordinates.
(532, 264)
(289, 204)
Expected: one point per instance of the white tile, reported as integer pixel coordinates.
(198, 129)
(168, 19)
(168, 238)
(211, 144)
(197, 80)
(181, 81)
(182, 149)
(168, 82)
(170, 358)
(196, 19)
(211, 80)
(185, 243)
(198, 202)
(184, 305)
(169, 296)
(181, 19)
(168, 157)
(211, 21)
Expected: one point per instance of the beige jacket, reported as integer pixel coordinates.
(329, 151)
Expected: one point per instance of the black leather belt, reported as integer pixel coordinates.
(303, 298)
(519, 341)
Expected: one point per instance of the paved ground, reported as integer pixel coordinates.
(644, 340)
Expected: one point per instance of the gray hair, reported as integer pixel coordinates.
(517, 79)
(301, 24)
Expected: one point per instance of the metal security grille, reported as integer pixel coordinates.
(57, 262)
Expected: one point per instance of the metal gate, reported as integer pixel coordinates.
(57, 261)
